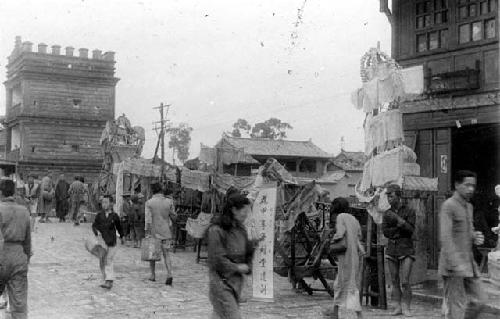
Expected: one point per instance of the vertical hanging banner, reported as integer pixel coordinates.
(263, 214)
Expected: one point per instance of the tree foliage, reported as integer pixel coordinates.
(241, 125)
(180, 140)
(273, 129)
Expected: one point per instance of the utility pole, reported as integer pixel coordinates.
(161, 136)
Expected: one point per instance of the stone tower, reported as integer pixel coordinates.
(57, 107)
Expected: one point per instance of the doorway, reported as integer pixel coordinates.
(476, 148)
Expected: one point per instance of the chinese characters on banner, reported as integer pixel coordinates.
(263, 213)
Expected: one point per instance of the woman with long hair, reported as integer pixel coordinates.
(229, 257)
(348, 231)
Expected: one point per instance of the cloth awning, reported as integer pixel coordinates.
(224, 181)
(196, 180)
(143, 167)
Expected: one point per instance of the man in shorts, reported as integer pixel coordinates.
(398, 226)
(159, 213)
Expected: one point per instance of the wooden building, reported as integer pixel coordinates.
(300, 158)
(455, 124)
(56, 109)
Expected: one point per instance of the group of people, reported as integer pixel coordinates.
(230, 251)
(153, 219)
(66, 198)
(463, 294)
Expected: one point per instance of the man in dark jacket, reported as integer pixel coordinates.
(62, 196)
(398, 226)
(16, 251)
(107, 223)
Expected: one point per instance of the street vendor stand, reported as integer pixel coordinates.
(391, 160)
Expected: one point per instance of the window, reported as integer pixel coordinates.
(477, 30)
(429, 13)
(33, 148)
(76, 103)
(474, 8)
(464, 33)
(489, 29)
(432, 40)
(75, 148)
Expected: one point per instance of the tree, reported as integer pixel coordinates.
(240, 125)
(180, 140)
(273, 129)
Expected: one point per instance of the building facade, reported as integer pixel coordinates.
(301, 158)
(455, 124)
(56, 109)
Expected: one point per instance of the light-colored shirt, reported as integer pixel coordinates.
(77, 191)
(158, 212)
(456, 237)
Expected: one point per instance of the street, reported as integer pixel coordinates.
(64, 283)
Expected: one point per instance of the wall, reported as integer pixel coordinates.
(49, 139)
(53, 98)
(454, 55)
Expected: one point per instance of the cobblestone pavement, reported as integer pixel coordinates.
(64, 283)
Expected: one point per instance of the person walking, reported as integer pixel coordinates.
(106, 224)
(456, 262)
(62, 195)
(398, 225)
(31, 193)
(77, 196)
(159, 212)
(230, 254)
(137, 219)
(16, 252)
(46, 198)
(347, 283)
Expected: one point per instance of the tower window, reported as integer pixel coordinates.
(75, 148)
(76, 102)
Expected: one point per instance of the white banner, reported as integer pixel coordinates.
(262, 222)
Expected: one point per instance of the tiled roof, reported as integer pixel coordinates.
(268, 147)
(350, 161)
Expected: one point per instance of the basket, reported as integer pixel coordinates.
(151, 249)
(94, 247)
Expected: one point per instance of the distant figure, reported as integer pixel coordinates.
(62, 198)
(46, 198)
(347, 283)
(16, 252)
(31, 193)
(456, 262)
(107, 224)
(137, 219)
(159, 213)
(126, 216)
(76, 196)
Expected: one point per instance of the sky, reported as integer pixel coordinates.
(216, 61)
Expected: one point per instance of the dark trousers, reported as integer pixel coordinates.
(14, 278)
(75, 210)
